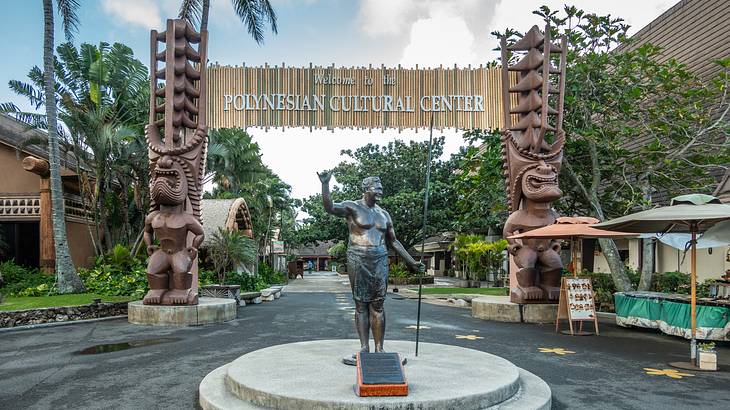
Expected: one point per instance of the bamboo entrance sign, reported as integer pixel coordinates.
(354, 97)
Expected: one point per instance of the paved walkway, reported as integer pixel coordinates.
(319, 281)
(41, 368)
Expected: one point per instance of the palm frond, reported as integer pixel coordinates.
(269, 12)
(69, 19)
(34, 96)
(249, 12)
(190, 10)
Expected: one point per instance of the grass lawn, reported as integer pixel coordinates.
(29, 302)
(480, 291)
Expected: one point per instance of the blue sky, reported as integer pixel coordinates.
(344, 32)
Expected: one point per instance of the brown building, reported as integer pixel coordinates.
(25, 202)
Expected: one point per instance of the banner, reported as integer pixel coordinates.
(360, 98)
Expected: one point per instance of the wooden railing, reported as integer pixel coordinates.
(27, 207)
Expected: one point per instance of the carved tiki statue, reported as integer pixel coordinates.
(177, 138)
(532, 148)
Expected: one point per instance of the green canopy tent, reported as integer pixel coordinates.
(692, 214)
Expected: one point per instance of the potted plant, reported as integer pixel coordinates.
(228, 251)
(707, 356)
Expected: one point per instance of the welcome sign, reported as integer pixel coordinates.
(361, 98)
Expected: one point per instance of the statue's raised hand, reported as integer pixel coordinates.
(325, 177)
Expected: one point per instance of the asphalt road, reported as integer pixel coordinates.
(41, 369)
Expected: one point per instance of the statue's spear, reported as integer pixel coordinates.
(423, 241)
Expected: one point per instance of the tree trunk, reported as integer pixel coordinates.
(647, 266)
(204, 15)
(610, 251)
(647, 245)
(67, 281)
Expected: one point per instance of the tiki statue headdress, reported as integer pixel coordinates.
(177, 138)
(532, 149)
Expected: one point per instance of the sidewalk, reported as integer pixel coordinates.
(319, 281)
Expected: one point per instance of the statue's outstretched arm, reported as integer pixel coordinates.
(330, 207)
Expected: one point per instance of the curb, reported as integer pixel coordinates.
(54, 324)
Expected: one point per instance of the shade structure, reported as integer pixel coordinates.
(687, 213)
(572, 228)
(700, 211)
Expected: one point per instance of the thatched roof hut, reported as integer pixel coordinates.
(230, 214)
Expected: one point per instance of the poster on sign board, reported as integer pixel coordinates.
(580, 298)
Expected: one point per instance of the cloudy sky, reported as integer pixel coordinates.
(343, 32)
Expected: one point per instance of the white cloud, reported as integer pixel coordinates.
(430, 32)
(144, 13)
(387, 17)
(447, 34)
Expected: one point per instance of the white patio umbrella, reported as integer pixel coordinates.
(692, 214)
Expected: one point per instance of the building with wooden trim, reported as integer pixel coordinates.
(25, 201)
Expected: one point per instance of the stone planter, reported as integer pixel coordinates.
(707, 359)
(223, 291)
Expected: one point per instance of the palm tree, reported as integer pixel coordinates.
(67, 280)
(229, 250)
(101, 93)
(252, 13)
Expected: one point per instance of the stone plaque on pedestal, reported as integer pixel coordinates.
(380, 374)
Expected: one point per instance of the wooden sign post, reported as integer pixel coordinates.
(577, 303)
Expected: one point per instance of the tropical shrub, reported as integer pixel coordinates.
(116, 273)
(399, 271)
(671, 282)
(270, 275)
(248, 282)
(18, 279)
(206, 277)
(478, 257)
(228, 250)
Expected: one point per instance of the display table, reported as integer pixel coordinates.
(670, 313)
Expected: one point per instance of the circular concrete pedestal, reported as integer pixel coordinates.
(207, 311)
(310, 375)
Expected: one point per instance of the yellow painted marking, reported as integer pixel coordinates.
(557, 350)
(414, 327)
(672, 373)
(469, 337)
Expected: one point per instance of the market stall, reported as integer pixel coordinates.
(670, 313)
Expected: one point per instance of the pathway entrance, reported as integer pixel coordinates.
(319, 281)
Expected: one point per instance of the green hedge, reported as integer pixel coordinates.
(18, 280)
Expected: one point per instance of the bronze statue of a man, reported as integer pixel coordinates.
(371, 233)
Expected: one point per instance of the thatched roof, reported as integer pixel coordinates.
(231, 214)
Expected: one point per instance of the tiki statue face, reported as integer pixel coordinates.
(540, 183)
(169, 185)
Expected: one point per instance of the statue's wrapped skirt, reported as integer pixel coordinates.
(369, 272)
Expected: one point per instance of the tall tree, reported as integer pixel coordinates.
(67, 280)
(401, 167)
(253, 14)
(101, 96)
(234, 165)
(616, 97)
(479, 183)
